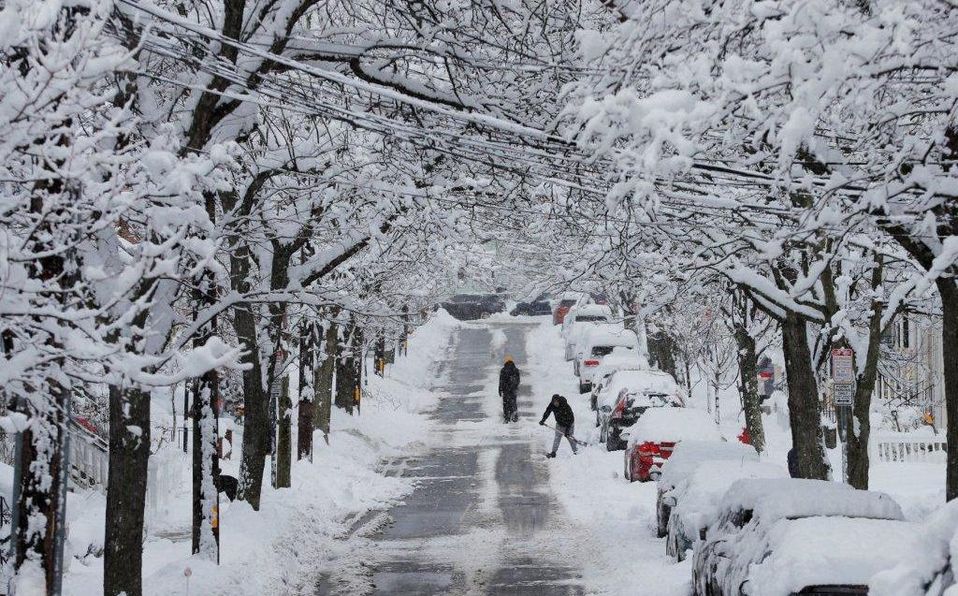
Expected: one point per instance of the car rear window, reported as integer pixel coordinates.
(589, 318)
(567, 303)
(600, 351)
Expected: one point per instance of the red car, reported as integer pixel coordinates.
(561, 310)
(653, 437)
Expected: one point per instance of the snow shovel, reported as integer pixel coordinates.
(574, 440)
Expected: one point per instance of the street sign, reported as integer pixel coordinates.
(844, 394)
(842, 369)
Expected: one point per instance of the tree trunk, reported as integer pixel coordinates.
(126, 491)
(205, 534)
(324, 381)
(346, 371)
(284, 438)
(662, 352)
(255, 411)
(748, 371)
(803, 409)
(858, 425)
(948, 291)
(307, 350)
(40, 510)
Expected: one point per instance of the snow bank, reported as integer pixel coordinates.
(279, 549)
(771, 499)
(660, 425)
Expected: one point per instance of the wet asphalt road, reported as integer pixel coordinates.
(481, 519)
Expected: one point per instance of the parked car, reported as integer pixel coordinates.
(932, 572)
(653, 437)
(618, 359)
(686, 456)
(628, 394)
(561, 310)
(469, 307)
(694, 501)
(579, 320)
(786, 536)
(597, 343)
(541, 305)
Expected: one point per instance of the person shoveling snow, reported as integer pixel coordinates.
(509, 390)
(565, 423)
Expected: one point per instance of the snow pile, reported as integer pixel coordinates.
(771, 499)
(671, 425)
(795, 554)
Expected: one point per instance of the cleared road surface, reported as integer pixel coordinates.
(481, 519)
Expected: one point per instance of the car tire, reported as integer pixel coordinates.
(584, 388)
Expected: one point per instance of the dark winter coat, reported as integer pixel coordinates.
(792, 463)
(509, 379)
(562, 412)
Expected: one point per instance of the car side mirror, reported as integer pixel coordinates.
(669, 501)
(624, 435)
(606, 409)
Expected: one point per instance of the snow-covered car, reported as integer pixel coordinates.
(653, 437)
(581, 319)
(628, 394)
(785, 536)
(686, 457)
(618, 359)
(694, 501)
(597, 343)
(932, 572)
(539, 306)
(562, 309)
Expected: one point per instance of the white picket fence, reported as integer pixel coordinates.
(907, 448)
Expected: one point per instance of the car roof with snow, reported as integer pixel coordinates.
(609, 335)
(688, 455)
(821, 551)
(620, 358)
(671, 425)
(656, 381)
(699, 494)
(771, 499)
(591, 310)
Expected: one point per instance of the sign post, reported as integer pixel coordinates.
(843, 394)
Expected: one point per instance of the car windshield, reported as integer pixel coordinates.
(589, 318)
(464, 298)
(567, 303)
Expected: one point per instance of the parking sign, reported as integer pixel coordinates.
(842, 369)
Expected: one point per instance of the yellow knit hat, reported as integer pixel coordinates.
(509, 358)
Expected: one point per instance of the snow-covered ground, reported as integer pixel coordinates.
(276, 550)
(283, 548)
(620, 553)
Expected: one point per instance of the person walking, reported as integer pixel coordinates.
(565, 422)
(509, 390)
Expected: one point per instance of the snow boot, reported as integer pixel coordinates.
(550, 455)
